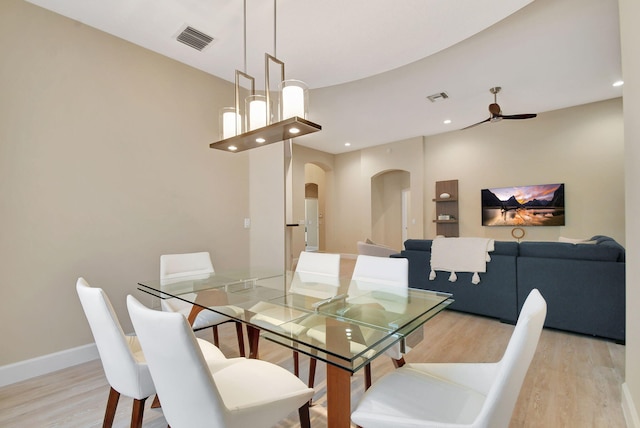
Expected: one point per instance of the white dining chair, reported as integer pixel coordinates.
(242, 393)
(122, 359)
(315, 268)
(175, 267)
(317, 276)
(470, 395)
(319, 263)
(369, 274)
(388, 275)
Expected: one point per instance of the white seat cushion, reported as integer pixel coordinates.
(255, 374)
(435, 399)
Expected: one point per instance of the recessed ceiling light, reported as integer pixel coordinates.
(447, 121)
(347, 144)
(618, 83)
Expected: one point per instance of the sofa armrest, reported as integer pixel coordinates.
(375, 250)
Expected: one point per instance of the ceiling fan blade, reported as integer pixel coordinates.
(519, 116)
(476, 124)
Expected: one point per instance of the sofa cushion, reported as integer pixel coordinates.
(563, 250)
(377, 250)
(506, 248)
(576, 240)
(495, 295)
(418, 244)
(501, 248)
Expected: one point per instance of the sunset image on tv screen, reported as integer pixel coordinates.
(539, 205)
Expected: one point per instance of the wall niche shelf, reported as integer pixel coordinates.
(447, 207)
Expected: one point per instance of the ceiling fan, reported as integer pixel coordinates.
(496, 111)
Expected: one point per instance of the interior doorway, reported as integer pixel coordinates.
(311, 229)
(314, 208)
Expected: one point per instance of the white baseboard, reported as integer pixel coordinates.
(27, 369)
(629, 408)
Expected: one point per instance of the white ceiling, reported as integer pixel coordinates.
(372, 63)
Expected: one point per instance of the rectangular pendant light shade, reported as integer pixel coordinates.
(257, 112)
(294, 96)
(230, 123)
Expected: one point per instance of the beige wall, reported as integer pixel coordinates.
(630, 32)
(266, 199)
(582, 147)
(405, 155)
(345, 204)
(352, 194)
(104, 165)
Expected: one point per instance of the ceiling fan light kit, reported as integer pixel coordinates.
(496, 111)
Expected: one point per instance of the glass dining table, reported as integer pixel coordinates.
(341, 322)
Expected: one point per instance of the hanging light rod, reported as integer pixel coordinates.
(259, 124)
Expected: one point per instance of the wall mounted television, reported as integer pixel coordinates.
(538, 205)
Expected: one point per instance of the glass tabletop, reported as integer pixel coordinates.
(342, 322)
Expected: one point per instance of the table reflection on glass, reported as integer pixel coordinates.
(343, 323)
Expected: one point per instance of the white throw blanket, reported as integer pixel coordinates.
(461, 255)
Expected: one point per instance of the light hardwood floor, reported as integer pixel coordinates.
(573, 381)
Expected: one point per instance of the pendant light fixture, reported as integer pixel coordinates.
(258, 123)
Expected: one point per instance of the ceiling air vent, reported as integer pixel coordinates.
(194, 38)
(438, 97)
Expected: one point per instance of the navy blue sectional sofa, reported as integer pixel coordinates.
(583, 284)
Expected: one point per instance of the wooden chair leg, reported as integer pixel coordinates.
(253, 335)
(137, 413)
(155, 404)
(240, 335)
(303, 412)
(296, 363)
(110, 412)
(398, 363)
(312, 371)
(367, 376)
(216, 339)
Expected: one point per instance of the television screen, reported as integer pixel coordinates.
(539, 205)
